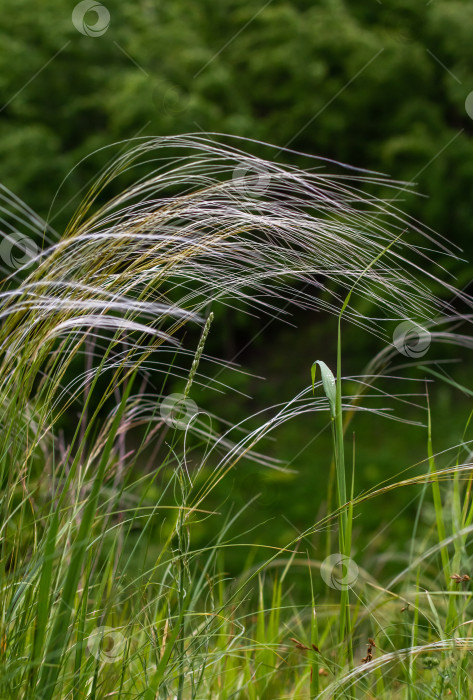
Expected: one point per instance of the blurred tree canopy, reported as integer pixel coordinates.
(381, 85)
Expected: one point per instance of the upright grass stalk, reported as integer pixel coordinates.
(333, 390)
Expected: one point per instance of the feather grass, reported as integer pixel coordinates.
(204, 225)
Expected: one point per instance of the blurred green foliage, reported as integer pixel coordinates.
(380, 85)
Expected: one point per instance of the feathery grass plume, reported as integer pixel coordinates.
(194, 231)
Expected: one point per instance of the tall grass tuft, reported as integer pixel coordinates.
(102, 591)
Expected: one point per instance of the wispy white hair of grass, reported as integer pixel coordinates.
(458, 645)
(210, 223)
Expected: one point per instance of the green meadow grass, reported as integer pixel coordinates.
(104, 591)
